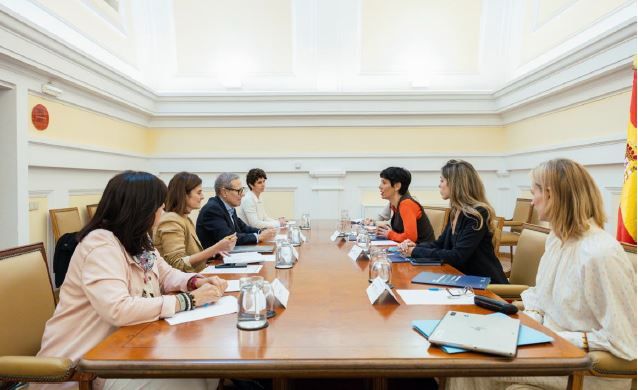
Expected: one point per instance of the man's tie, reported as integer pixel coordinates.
(234, 218)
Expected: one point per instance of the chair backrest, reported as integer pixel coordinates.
(529, 250)
(523, 211)
(497, 222)
(630, 251)
(438, 217)
(65, 221)
(27, 299)
(90, 210)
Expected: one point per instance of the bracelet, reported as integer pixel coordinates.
(181, 300)
(191, 299)
(585, 342)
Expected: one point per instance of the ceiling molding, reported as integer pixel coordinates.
(597, 68)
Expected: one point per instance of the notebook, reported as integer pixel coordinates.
(526, 335)
(252, 248)
(478, 332)
(476, 282)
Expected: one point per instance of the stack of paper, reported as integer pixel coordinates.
(247, 257)
(434, 296)
(251, 269)
(225, 305)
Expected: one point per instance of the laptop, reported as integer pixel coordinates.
(477, 332)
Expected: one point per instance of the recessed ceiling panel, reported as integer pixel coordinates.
(436, 36)
(233, 36)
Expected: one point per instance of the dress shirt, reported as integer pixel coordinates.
(254, 212)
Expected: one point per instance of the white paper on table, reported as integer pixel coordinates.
(433, 297)
(225, 305)
(377, 288)
(280, 291)
(384, 243)
(355, 252)
(251, 269)
(281, 237)
(268, 258)
(233, 285)
(334, 235)
(244, 258)
(291, 222)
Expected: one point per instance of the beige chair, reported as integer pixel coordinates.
(523, 211)
(497, 222)
(90, 210)
(529, 251)
(65, 221)
(25, 309)
(438, 217)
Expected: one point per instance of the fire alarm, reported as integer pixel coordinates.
(40, 117)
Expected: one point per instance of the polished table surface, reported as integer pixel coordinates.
(329, 329)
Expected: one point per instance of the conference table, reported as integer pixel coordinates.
(329, 329)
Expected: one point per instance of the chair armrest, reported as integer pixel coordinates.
(606, 364)
(508, 291)
(35, 369)
(513, 223)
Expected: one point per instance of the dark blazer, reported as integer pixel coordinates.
(214, 223)
(468, 250)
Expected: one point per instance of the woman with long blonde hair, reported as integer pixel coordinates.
(466, 242)
(585, 286)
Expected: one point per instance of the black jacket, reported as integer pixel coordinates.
(214, 223)
(468, 250)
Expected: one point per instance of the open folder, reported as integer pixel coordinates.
(526, 335)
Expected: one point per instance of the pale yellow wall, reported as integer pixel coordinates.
(279, 203)
(81, 201)
(600, 118)
(38, 220)
(76, 126)
(266, 141)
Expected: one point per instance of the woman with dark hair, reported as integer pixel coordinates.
(175, 237)
(116, 278)
(466, 241)
(408, 221)
(252, 210)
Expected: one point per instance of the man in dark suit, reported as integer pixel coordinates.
(218, 218)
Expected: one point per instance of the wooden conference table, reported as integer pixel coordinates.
(329, 329)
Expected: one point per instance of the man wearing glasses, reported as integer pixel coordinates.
(218, 218)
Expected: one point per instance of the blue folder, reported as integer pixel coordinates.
(477, 282)
(526, 335)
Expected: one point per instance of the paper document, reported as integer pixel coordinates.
(247, 257)
(233, 285)
(434, 297)
(226, 305)
(383, 243)
(251, 269)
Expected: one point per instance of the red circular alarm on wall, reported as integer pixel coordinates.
(40, 117)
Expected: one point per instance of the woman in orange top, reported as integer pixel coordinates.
(408, 218)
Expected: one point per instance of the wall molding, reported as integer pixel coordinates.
(600, 66)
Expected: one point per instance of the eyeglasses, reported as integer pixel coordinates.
(239, 191)
(454, 293)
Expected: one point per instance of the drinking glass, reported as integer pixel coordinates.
(305, 221)
(363, 240)
(380, 267)
(284, 257)
(270, 299)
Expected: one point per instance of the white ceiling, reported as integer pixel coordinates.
(191, 47)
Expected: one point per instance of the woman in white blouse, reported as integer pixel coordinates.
(585, 287)
(252, 210)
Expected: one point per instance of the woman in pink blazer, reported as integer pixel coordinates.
(117, 278)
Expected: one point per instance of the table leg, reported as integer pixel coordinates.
(575, 382)
(280, 384)
(378, 383)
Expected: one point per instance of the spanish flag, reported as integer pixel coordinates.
(626, 230)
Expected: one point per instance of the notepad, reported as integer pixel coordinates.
(225, 305)
(477, 282)
(251, 269)
(526, 335)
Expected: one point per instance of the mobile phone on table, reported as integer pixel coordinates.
(231, 265)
